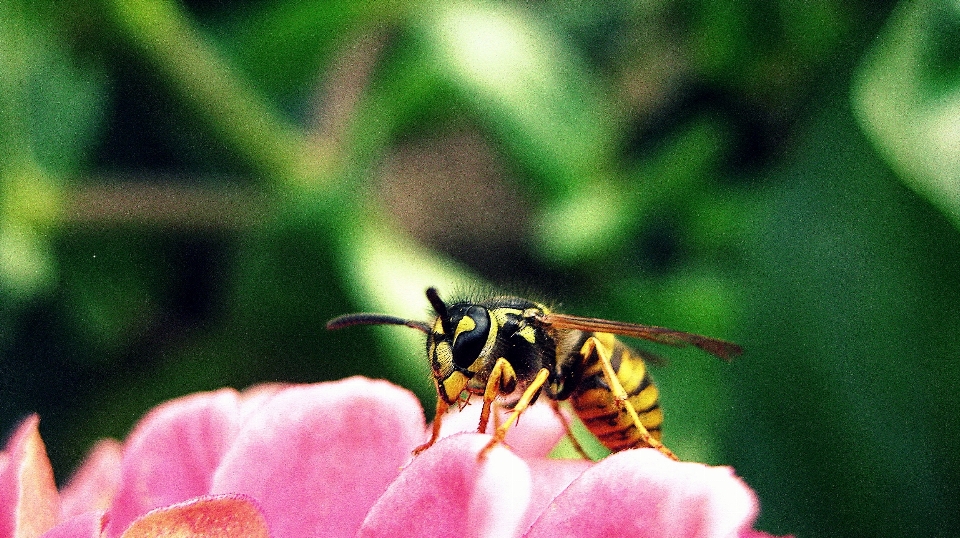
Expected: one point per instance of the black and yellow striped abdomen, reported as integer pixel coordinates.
(597, 407)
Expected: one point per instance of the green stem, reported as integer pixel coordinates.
(164, 34)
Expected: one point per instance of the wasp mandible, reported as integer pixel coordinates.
(516, 349)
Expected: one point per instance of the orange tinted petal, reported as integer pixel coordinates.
(228, 516)
(29, 502)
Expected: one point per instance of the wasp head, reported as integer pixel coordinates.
(459, 346)
(468, 339)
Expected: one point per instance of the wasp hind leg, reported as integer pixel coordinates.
(592, 345)
(528, 395)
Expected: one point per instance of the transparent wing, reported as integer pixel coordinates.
(719, 348)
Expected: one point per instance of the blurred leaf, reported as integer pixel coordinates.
(38, 87)
(67, 111)
(26, 263)
(598, 216)
(547, 110)
(526, 85)
(514, 76)
(907, 98)
(164, 34)
(297, 38)
(51, 108)
(766, 50)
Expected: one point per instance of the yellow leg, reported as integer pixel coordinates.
(566, 427)
(502, 372)
(442, 407)
(522, 404)
(591, 345)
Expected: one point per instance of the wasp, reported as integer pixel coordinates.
(514, 349)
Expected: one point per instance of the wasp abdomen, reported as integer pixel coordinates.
(597, 407)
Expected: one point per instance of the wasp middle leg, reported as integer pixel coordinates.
(569, 431)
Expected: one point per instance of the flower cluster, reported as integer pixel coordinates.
(334, 459)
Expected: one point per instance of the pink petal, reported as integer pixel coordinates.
(550, 478)
(643, 493)
(316, 457)
(535, 435)
(227, 516)
(172, 454)
(254, 397)
(29, 502)
(447, 492)
(86, 525)
(94, 485)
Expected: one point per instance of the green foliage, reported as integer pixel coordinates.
(188, 191)
(907, 96)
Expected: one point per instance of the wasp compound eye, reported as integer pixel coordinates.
(470, 336)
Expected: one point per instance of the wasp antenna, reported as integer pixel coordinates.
(364, 318)
(440, 308)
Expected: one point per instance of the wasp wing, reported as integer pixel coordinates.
(719, 348)
(649, 357)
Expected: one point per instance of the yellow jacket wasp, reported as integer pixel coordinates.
(512, 348)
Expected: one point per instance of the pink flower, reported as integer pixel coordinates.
(333, 459)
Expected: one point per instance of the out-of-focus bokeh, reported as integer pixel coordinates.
(188, 191)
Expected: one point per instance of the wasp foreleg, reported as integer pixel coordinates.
(593, 345)
(528, 395)
(442, 408)
(502, 379)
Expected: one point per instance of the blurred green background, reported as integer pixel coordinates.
(188, 191)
